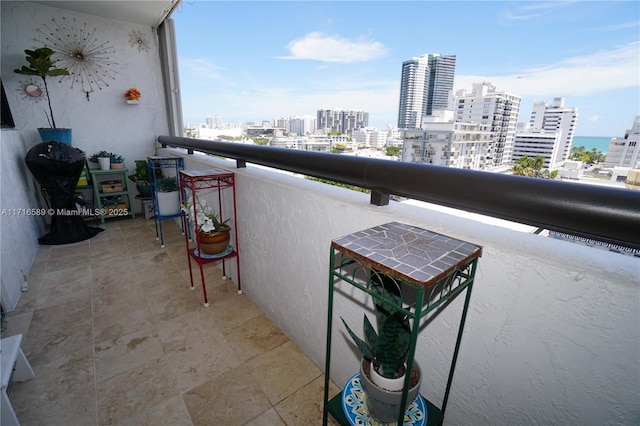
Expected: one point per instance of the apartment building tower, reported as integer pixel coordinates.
(426, 86)
(485, 104)
(443, 142)
(559, 119)
(343, 121)
(625, 152)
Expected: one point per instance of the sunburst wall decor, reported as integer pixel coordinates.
(139, 40)
(78, 50)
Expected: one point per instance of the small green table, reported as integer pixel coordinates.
(432, 269)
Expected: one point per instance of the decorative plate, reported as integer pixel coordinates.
(227, 251)
(355, 408)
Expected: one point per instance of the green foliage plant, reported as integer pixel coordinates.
(41, 64)
(387, 348)
(168, 184)
(141, 172)
(101, 154)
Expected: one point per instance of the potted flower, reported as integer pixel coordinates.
(384, 353)
(167, 196)
(41, 64)
(213, 233)
(141, 177)
(117, 162)
(132, 95)
(103, 158)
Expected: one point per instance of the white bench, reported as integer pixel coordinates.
(15, 367)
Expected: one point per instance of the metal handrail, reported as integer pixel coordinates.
(611, 215)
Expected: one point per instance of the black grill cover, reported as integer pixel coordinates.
(57, 167)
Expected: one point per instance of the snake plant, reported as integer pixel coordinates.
(389, 346)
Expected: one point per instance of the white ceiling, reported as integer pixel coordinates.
(145, 12)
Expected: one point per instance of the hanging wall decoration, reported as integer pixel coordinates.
(31, 90)
(139, 40)
(79, 51)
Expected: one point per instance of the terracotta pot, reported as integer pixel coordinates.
(215, 242)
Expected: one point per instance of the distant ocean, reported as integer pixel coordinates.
(598, 142)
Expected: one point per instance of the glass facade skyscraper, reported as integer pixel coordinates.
(426, 86)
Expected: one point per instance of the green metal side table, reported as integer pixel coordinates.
(430, 268)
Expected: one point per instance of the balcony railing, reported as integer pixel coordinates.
(606, 214)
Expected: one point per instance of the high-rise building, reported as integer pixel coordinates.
(535, 143)
(556, 118)
(487, 105)
(426, 86)
(335, 120)
(548, 134)
(443, 142)
(625, 152)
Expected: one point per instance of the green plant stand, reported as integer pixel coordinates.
(432, 270)
(97, 176)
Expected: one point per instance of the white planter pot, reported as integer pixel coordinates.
(393, 385)
(105, 163)
(382, 404)
(168, 203)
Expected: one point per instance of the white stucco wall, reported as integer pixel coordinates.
(552, 335)
(105, 121)
(19, 232)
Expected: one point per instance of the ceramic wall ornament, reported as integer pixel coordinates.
(139, 40)
(31, 91)
(77, 49)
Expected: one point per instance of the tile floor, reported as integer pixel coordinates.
(115, 336)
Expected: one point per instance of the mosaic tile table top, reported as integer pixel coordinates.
(410, 253)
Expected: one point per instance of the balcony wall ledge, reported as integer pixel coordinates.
(553, 327)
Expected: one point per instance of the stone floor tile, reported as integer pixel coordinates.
(114, 357)
(304, 407)
(233, 398)
(134, 391)
(254, 337)
(268, 418)
(282, 371)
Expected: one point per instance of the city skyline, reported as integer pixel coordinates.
(255, 61)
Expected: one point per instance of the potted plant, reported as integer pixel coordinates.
(213, 233)
(141, 177)
(167, 196)
(41, 64)
(132, 95)
(117, 161)
(103, 158)
(384, 353)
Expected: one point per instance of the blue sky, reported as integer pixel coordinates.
(262, 60)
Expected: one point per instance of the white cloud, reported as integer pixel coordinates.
(202, 68)
(320, 47)
(594, 119)
(585, 75)
(534, 10)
